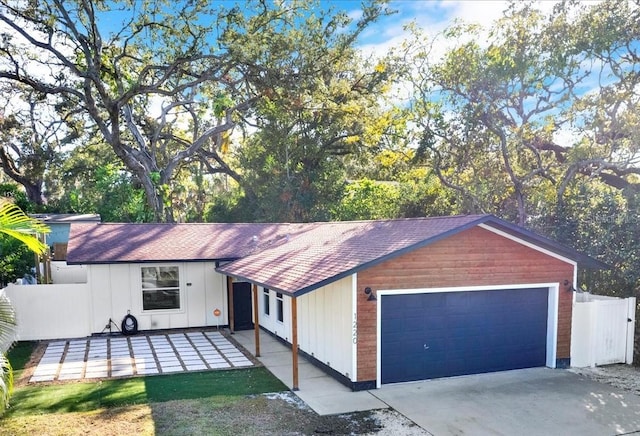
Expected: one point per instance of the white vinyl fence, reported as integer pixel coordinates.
(51, 311)
(602, 330)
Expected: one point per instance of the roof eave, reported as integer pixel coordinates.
(121, 262)
(583, 260)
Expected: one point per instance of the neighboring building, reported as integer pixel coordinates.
(60, 224)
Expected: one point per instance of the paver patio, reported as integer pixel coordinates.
(120, 356)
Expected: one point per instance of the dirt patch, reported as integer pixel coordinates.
(115, 421)
(273, 414)
(621, 376)
(270, 414)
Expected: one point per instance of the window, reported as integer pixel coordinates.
(279, 307)
(160, 287)
(265, 297)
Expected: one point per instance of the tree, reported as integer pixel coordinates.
(486, 112)
(320, 101)
(605, 120)
(32, 137)
(160, 61)
(166, 87)
(14, 223)
(524, 111)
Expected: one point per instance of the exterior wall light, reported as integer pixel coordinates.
(369, 292)
(568, 286)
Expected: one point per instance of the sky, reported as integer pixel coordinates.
(431, 15)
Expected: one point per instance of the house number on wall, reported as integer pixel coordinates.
(355, 329)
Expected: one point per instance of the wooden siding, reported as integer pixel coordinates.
(475, 257)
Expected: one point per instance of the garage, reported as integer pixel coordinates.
(425, 335)
(419, 298)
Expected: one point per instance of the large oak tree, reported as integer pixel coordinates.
(164, 83)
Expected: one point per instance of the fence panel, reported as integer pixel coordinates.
(602, 331)
(51, 311)
(611, 332)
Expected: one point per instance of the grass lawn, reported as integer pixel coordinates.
(91, 407)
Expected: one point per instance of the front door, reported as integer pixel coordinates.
(242, 314)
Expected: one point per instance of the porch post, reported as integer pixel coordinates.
(294, 340)
(232, 322)
(256, 322)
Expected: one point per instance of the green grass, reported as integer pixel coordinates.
(238, 382)
(19, 355)
(84, 396)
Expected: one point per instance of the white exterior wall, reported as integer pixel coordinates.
(63, 273)
(51, 311)
(270, 322)
(325, 319)
(116, 289)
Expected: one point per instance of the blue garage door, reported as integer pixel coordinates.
(445, 334)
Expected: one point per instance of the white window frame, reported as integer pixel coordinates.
(180, 287)
(266, 302)
(279, 308)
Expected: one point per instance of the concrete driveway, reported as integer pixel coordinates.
(537, 401)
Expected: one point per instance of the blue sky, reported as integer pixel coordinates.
(431, 15)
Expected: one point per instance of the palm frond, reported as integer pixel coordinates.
(14, 222)
(6, 382)
(8, 323)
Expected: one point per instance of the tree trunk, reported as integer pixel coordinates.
(34, 192)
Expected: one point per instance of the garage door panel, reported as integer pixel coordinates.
(462, 333)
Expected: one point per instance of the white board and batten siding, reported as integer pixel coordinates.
(325, 318)
(602, 330)
(116, 290)
(62, 273)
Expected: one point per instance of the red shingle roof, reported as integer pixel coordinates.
(318, 253)
(118, 243)
(289, 258)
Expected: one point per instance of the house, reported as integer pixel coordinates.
(371, 302)
(163, 274)
(60, 225)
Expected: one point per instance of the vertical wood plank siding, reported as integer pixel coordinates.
(475, 257)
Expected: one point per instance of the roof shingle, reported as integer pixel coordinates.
(118, 243)
(289, 258)
(314, 254)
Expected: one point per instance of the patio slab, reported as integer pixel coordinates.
(143, 354)
(324, 394)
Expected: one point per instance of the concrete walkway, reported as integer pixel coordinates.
(324, 394)
(121, 356)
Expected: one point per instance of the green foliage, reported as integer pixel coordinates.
(210, 67)
(12, 192)
(229, 207)
(602, 222)
(16, 260)
(289, 182)
(8, 326)
(369, 200)
(16, 224)
(93, 185)
(422, 194)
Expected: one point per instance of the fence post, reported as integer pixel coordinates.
(631, 327)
